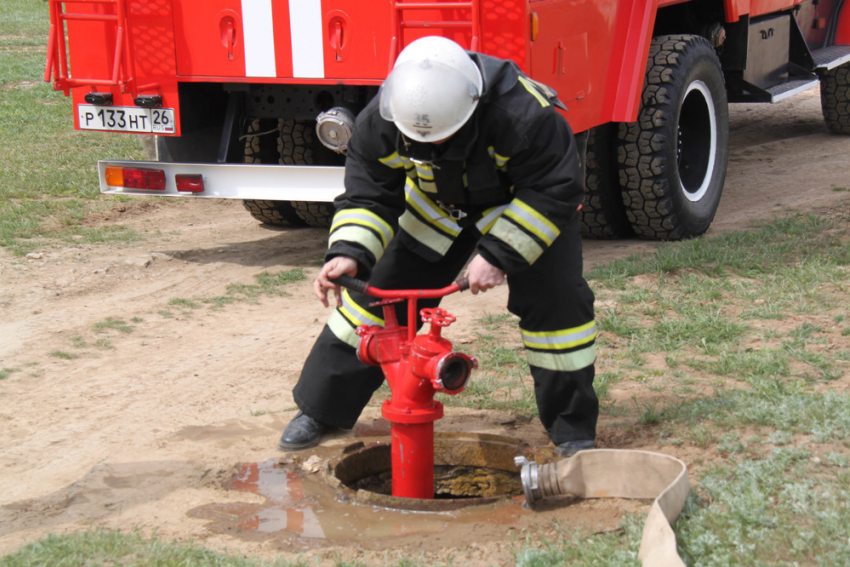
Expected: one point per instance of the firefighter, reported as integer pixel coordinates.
(459, 152)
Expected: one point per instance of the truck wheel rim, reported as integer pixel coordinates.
(696, 143)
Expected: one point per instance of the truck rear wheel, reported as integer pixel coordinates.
(261, 147)
(603, 215)
(297, 146)
(673, 159)
(835, 98)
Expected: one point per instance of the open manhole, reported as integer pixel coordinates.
(469, 469)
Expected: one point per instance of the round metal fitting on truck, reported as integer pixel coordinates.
(334, 128)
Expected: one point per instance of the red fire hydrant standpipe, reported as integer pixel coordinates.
(415, 367)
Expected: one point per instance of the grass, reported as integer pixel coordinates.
(6, 372)
(268, 284)
(106, 547)
(48, 179)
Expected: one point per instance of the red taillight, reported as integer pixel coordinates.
(135, 178)
(189, 183)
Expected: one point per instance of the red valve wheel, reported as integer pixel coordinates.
(438, 317)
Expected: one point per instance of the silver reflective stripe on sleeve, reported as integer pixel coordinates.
(342, 329)
(532, 221)
(364, 217)
(357, 314)
(360, 235)
(488, 218)
(517, 239)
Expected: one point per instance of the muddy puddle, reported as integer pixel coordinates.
(345, 496)
(342, 497)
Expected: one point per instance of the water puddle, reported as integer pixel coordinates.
(348, 501)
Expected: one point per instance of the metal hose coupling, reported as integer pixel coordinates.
(530, 475)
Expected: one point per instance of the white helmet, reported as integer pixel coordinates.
(432, 90)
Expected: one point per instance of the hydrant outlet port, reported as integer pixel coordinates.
(452, 372)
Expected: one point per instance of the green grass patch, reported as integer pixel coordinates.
(64, 355)
(502, 381)
(104, 547)
(779, 243)
(790, 508)
(268, 284)
(49, 176)
(577, 547)
(113, 324)
(25, 18)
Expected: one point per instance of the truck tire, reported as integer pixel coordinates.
(261, 147)
(603, 215)
(296, 146)
(835, 98)
(673, 159)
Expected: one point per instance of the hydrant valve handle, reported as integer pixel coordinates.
(438, 317)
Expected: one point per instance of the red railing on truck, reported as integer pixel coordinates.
(57, 67)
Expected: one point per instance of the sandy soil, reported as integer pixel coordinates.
(144, 428)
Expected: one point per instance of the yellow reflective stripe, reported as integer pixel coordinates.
(364, 217)
(530, 88)
(500, 160)
(488, 218)
(393, 160)
(356, 313)
(424, 171)
(426, 177)
(360, 235)
(561, 339)
(342, 329)
(563, 361)
(424, 233)
(428, 186)
(532, 221)
(517, 239)
(429, 210)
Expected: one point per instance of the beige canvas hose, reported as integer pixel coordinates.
(615, 473)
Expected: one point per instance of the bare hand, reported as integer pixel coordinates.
(483, 275)
(337, 266)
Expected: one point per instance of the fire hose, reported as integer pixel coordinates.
(619, 473)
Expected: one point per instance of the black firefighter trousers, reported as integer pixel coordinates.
(552, 299)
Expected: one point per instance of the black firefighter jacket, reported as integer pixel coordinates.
(512, 170)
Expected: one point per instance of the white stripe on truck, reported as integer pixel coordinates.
(305, 21)
(259, 38)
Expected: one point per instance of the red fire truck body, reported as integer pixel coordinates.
(240, 92)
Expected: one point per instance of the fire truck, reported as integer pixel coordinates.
(255, 99)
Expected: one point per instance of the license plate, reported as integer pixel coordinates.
(126, 119)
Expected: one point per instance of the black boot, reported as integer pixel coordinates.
(302, 432)
(570, 448)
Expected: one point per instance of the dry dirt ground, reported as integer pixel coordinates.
(144, 428)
